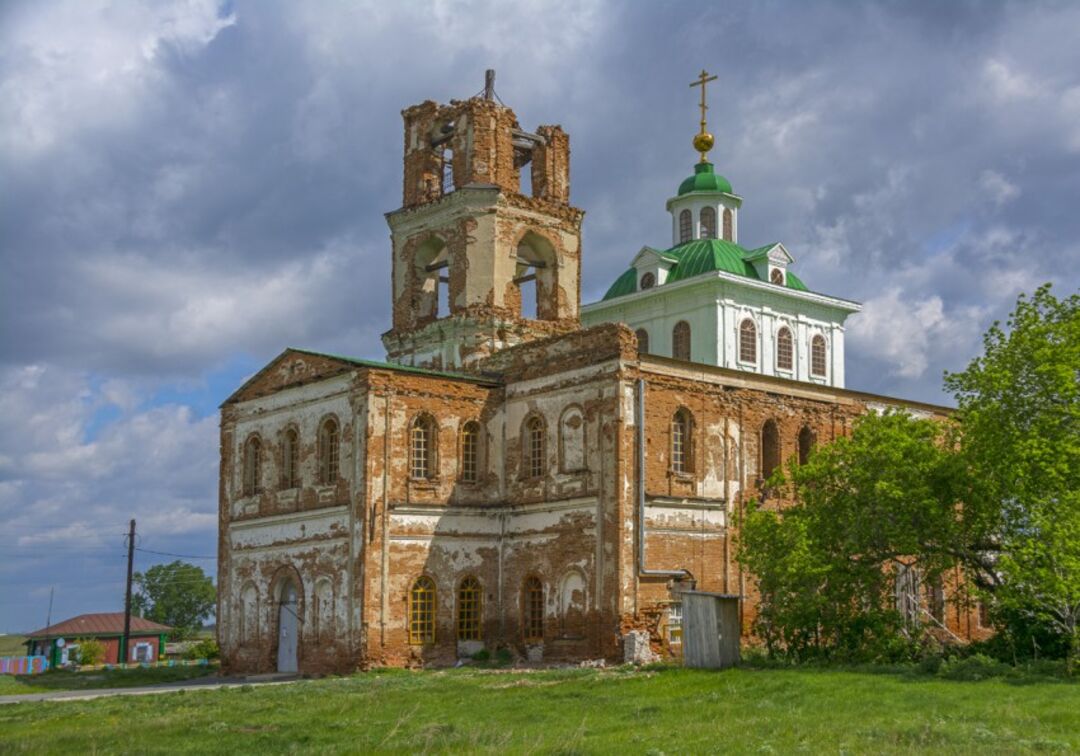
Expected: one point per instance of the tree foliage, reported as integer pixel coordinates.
(862, 507)
(1019, 405)
(177, 594)
(991, 496)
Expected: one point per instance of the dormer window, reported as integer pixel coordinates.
(777, 276)
(648, 281)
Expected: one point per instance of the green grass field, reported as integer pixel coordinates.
(570, 711)
(12, 645)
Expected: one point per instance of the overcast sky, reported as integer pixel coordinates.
(189, 187)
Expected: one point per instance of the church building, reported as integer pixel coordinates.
(522, 472)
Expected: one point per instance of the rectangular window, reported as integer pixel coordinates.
(419, 451)
(469, 462)
(674, 624)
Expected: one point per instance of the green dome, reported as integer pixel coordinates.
(705, 180)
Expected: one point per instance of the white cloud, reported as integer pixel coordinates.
(83, 64)
(999, 188)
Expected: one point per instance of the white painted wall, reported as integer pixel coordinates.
(715, 304)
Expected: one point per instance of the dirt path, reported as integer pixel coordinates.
(211, 683)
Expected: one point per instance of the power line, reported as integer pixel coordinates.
(168, 553)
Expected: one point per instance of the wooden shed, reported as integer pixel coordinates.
(710, 626)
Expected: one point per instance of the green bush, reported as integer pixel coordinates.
(91, 651)
(204, 649)
(482, 655)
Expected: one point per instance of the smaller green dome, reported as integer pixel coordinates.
(705, 180)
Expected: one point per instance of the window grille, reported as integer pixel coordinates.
(422, 612)
(680, 442)
(470, 452)
(708, 223)
(748, 341)
(680, 341)
(328, 453)
(648, 281)
(422, 449)
(290, 460)
(674, 624)
(252, 466)
(534, 447)
(469, 604)
(777, 276)
(642, 340)
(533, 621)
(785, 350)
(817, 355)
(686, 227)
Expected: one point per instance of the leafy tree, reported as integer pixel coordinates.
(1019, 405)
(177, 594)
(862, 506)
(91, 651)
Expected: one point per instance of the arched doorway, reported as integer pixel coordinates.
(288, 627)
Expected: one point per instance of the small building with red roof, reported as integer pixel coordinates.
(59, 641)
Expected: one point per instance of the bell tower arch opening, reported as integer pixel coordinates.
(536, 278)
(431, 280)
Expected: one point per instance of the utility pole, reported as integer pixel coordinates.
(48, 626)
(127, 597)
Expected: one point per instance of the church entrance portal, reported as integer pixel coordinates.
(288, 628)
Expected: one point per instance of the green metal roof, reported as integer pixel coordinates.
(705, 180)
(699, 256)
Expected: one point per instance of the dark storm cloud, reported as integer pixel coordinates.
(196, 185)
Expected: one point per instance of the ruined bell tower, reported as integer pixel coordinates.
(478, 263)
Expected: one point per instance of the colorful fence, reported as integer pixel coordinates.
(23, 665)
(149, 665)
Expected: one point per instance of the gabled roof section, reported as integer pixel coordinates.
(699, 256)
(776, 252)
(295, 367)
(106, 623)
(648, 256)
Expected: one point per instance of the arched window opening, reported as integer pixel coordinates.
(806, 444)
(532, 603)
(785, 350)
(728, 235)
(290, 459)
(422, 611)
(642, 340)
(535, 277)
(682, 441)
(470, 452)
(431, 295)
(770, 449)
(448, 170)
(936, 599)
(468, 609)
(648, 281)
(680, 341)
(252, 466)
(533, 447)
(328, 452)
(747, 341)
(817, 356)
(572, 440)
(777, 276)
(322, 610)
(686, 226)
(708, 223)
(422, 451)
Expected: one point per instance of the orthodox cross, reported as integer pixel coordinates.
(703, 141)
